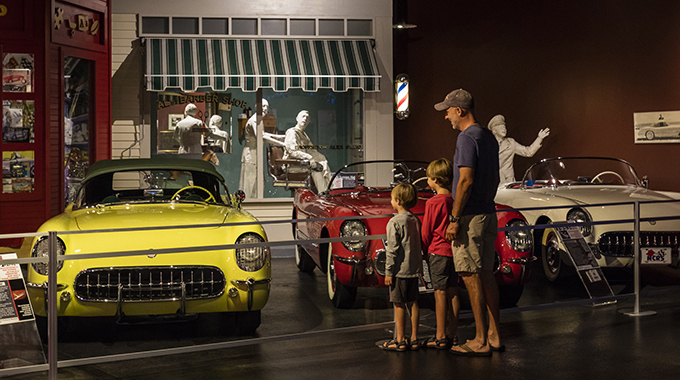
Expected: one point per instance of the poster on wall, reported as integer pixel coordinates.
(17, 171)
(18, 121)
(17, 72)
(657, 127)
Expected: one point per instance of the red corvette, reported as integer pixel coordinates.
(357, 204)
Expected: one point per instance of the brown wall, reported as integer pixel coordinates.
(581, 68)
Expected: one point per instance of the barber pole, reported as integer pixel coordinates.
(401, 96)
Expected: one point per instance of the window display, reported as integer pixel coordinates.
(76, 123)
(333, 130)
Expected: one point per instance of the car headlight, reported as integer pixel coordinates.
(580, 216)
(351, 228)
(519, 240)
(254, 258)
(41, 249)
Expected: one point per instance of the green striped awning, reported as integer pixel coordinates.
(220, 64)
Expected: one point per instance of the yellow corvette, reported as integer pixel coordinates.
(177, 218)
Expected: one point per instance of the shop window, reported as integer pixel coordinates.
(335, 131)
(331, 27)
(17, 72)
(77, 121)
(18, 119)
(302, 27)
(184, 25)
(216, 26)
(359, 27)
(273, 27)
(244, 26)
(155, 25)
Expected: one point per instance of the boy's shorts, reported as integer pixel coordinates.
(404, 290)
(442, 272)
(477, 235)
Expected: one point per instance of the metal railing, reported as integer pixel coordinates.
(53, 259)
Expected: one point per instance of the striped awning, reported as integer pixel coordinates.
(249, 64)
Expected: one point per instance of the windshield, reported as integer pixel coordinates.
(580, 171)
(151, 186)
(379, 175)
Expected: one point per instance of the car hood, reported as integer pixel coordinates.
(371, 203)
(153, 215)
(601, 194)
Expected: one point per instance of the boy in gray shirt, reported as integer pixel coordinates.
(403, 266)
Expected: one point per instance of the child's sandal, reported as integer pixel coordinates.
(393, 345)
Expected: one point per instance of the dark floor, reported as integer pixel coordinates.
(554, 333)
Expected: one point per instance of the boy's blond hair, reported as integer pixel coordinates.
(406, 194)
(441, 171)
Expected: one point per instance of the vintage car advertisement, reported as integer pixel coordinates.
(357, 204)
(178, 270)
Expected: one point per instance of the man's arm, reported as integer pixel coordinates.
(463, 189)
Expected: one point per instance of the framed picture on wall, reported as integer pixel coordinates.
(657, 127)
(173, 119)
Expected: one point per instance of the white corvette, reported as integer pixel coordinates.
(578, 189)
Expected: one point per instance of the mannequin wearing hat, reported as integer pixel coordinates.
(508, 147)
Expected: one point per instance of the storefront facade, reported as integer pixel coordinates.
(55, 105)
(331, 59)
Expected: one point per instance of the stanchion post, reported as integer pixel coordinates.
(636, 264)
(52, 305)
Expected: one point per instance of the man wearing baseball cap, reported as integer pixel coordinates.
(472, 224)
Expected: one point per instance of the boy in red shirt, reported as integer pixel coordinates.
(440, 259)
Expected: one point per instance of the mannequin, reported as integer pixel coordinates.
(298, 145)
(248, 179)
(189, 131)
(214, 131)
(508, 147)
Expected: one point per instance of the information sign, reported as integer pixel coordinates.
(586, 266)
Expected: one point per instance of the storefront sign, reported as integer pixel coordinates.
(77, 26)
(170, 99)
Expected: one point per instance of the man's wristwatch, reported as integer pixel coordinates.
(454, 219)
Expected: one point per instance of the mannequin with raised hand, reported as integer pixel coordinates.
(508, 147)
(189, 131)
(298, 145)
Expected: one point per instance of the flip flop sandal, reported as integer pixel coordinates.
(467, 351)
(500, 348)
(393, 345)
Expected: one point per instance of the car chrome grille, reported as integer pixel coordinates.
(144, 284)
(621, 243)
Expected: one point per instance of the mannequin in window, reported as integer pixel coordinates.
(189, 131)
(299, 146)
(220, 139)
(248, 179)
(508, 147)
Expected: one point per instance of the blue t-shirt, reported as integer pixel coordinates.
(477, 148)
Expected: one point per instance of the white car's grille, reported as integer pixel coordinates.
(144, 284)
(620, 243)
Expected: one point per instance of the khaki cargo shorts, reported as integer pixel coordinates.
(477, 237)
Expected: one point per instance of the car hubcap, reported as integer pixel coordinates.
(552, 256)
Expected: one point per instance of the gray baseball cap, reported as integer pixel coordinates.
(456, 98)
